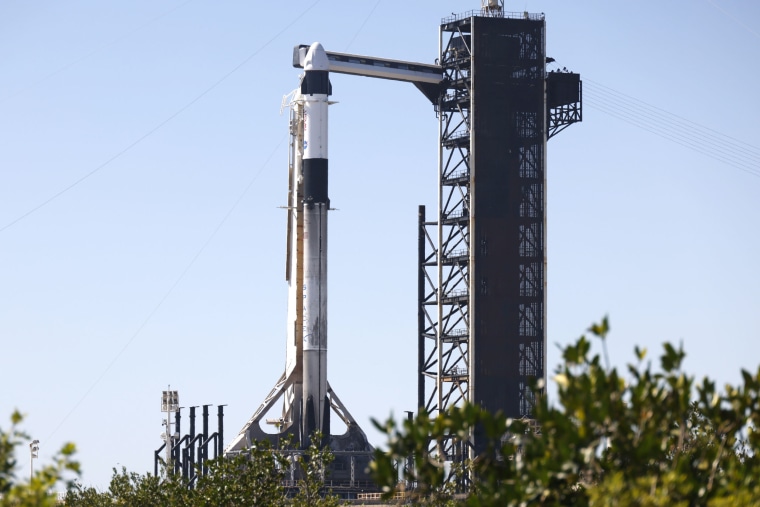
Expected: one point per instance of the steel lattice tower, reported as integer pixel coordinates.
(482, 276)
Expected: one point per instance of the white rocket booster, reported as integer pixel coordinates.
(315, 89)
(308, 397)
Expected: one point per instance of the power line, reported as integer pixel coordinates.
(734, 18)
(168, 293)
(93, 52)
(158, 126)
(361, 27)
(679, 121)
(200, 250)
(704, 140)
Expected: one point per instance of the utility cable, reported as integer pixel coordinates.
(361, 27)
(93, 52)
(168, 292)
(159, 125)
(691, 137)
(734, 18)
(685, 143)
(670, 126)
(680, 122)
(691, 145)
(704, 140)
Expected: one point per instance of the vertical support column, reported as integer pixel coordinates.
(192, 437)
(421, 308)
(176, 453)
(427, 393)
(220, 430)
(409, 465)
(204, 441)
(454, 290)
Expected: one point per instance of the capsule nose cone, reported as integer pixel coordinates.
(316, 58)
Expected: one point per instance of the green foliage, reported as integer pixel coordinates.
(254, 478)
(648, 436)
(315, 464)
(610, 441)
(415, 438)
(8, 442)
(251, 478)
(39, 491)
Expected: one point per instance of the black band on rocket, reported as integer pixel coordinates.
(315, 180)
(316, 82)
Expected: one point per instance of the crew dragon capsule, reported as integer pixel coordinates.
(315, 89)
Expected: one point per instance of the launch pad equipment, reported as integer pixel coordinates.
(304, 382)
(482, 261)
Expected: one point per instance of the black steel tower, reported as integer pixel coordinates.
(482, 277)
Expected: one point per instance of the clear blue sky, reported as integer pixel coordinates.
(164, 262)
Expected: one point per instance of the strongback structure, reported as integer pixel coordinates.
(482, 276)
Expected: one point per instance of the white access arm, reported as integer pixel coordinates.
(370, 66)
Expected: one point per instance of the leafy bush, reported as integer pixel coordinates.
(39, 491)
(656, 438)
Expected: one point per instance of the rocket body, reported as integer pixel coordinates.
(315, 89)
(308, 398)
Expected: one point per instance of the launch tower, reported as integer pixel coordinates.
(482, 276)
